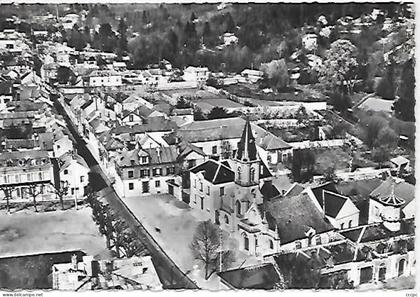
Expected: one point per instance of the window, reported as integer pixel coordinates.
(269, 158)
(298, 245)
(195, 198)
(157, 183)
(246, 242)
(350, 224)
(130, 173)
(342, 226)
(256, 241)
(145, 187)
(239, 173)
(214, 150)
(318, 240)
(271, 244)
(238, 208)
(66, 172)
(28, 177)
(195, 184)
(39, 175)
(252, 174)
(222, 191)
(144, 159)
(131, 186)
(131, 118)
(226, 220)
(82, 179)
(72, 191)
(201, 186)
(202, 203)
(171, 170)
(208, 190)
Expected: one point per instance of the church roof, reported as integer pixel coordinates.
(247, 150)
(294, 217)
(215, 172)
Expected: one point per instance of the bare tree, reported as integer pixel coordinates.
(34, 191)
(61, 191)
(7, 190)
(205, 245)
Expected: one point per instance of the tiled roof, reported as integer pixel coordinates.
(159, 155)
(401, 190)
(255, 277)
(215, 172)
(294, 217)
(157, 125)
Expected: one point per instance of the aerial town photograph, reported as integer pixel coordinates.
(207, 146)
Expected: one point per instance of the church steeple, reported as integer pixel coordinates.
(247, 151)
(247, 161)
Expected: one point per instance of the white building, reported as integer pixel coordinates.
(196, 74)
(104, 78)
(74, 175)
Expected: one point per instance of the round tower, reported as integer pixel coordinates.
(391, 213)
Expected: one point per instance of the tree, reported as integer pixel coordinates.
(107, 38)
(61, 191)
(338, 68)
(34, 191)
(277, 73)
(386, 138)
(122, 38)
(7, 190)
(340, 101)
(380, 155)
(299, 272)
(372, 128)
(76, 39)
(182, 103)
(64, 75)
(205, 245)
(404, 105)
(218, 113)
(229, 24)
(329, 175)
(198, 114)
(386, 86)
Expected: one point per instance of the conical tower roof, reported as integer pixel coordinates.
(247, 150)
(392, 200)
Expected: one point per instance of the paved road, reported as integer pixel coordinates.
(170, 275)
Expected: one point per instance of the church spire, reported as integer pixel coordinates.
(247, 151)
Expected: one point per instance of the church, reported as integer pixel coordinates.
(229, 193)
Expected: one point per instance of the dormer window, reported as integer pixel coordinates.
(252, 174)
(133, 162)
(144, 160)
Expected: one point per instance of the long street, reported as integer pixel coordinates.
(169, 273)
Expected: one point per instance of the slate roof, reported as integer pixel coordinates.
(166, 155)
(33, 154)
(255, 277)
(247, 150)
(152, 126)
(294, 217)
(269, 191)
(401, 190)
(378, 231)
(229, 128)
(333, 200)
(66, 160)
(215, 172)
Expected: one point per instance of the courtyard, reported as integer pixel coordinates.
(172, 224)
(28, 233)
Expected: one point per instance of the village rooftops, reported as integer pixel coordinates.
(229, 128)
(159, 125)
(263, 276)
(377, 232)
(160, 155)
(294, 217)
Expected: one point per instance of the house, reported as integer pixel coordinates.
(134, 101)
(401, 164)
(25, 174)
(146, 171)
(366, 254)
(391, 197)
(49, 72)
(340, 210)
(196, 74)
(191, 155)
(135, 273)
(73, 175)
(219, 138)
(103, 78)
(251, 75)
(310, 42)
(182, 116)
